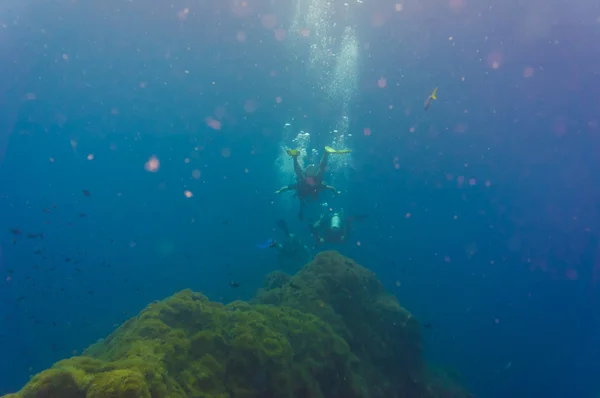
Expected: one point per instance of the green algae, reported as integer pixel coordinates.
(384, 336)
(329, 331)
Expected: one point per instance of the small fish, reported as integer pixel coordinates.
(432, 97)
(86, 192)
(234, 284)
(33, 236)
(15, 231)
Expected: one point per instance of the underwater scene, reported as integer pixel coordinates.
(299, 199)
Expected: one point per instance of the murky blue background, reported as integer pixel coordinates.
(484, 211)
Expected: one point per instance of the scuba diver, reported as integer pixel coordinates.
(292, 254)
(334, 227)
(309, 181)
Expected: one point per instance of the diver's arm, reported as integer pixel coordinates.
(332, 189)
(286, 188)
(316, 226)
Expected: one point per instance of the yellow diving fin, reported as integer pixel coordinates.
(434, 94)
(292, 152)
(329, 149)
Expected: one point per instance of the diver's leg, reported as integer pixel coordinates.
(298, 169)
(301, 212)
(322, 166)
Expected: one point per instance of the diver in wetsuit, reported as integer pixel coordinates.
(309, 181)
(334, 227)
(292, 253)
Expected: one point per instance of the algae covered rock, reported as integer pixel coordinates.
(384, 336)
(329, 331)
(188, 346)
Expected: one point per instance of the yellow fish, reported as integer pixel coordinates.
(433, 96)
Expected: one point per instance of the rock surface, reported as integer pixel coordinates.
(330, 331)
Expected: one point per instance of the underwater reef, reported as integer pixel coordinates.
(330, 331)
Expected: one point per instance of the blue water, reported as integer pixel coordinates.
(484, 210)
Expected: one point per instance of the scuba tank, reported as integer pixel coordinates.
(335, 223)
